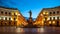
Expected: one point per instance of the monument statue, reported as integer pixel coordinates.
(30, 13)
(30, 21)
(30, 24)
(30, 18)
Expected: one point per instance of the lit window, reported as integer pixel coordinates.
(12, 13)
(52, 18)
(43, 12)
(4, 18)
(16, 13)
(56, 18)
(48, 19)
(53, 22)
(46, 13)
(49, 22)
(44, 19)
(11, 19)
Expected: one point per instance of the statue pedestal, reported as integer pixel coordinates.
(30, 20)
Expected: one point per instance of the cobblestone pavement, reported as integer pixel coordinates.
(18, 30)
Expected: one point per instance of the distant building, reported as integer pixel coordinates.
(11, 17)
(49, 16)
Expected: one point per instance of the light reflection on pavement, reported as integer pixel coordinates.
(18, 30)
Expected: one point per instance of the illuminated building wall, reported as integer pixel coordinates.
(11, 17)
(50, 16)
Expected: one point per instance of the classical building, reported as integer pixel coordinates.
(49, 16)
(11, 17)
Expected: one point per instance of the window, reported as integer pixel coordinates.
(9, 18)
(50, 12)
(57, 18)
(57, 12)
(45, 18)
(5, 18)
(53, 18)
(49, 22)
(14, 13)
(5, 23)
(1, 12)
(14, 19)
(5, 12)
(9, 13)
(9, 23)
(50, 18)
(14, 23)
(53, 12)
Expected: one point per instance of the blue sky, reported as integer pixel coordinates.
(34, 5)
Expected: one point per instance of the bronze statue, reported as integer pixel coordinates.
(30, 13)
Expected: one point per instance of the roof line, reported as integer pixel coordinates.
(8, 8)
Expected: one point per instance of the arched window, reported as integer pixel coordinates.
(9, 13)
(5, 12)
(53, 12)
(50, 12)
(1, 12)
(57, 12)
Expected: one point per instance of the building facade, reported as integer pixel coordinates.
(11, 17)
(49, 17)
